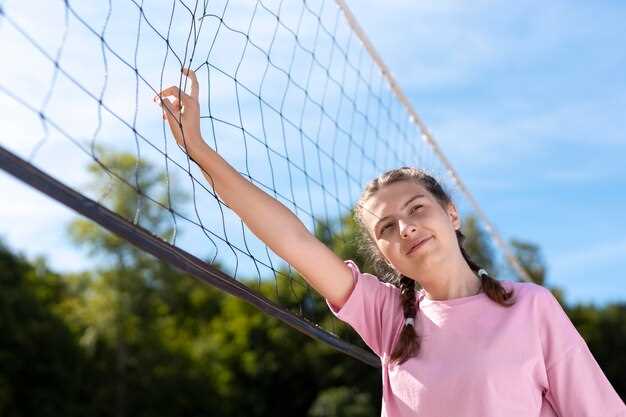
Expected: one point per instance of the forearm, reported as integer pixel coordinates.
(265, 216)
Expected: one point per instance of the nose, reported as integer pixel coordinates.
(407, 229)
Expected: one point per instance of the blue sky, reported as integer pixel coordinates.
(526, 100)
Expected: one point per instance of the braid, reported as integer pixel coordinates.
(407, 297)
(489, 285)
(409, 342)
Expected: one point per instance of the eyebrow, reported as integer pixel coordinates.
(415, 197)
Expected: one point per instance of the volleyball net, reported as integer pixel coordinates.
(292, 95)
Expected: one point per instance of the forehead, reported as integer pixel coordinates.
(389, 200)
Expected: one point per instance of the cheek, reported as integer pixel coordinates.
(383, 248)
(388, 250)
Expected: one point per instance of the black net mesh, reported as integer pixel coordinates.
(289, 97)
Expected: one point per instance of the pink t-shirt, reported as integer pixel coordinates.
(480, 359)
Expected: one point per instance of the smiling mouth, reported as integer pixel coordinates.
(419, 245)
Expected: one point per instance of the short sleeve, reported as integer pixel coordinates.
(577, 386)
(370, 309)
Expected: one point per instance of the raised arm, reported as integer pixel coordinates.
(265, 216)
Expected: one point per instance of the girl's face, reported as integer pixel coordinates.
(404, 213)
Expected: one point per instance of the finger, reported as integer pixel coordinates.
(170, 110)
(172, 91)
(173, 104)
(195, 86)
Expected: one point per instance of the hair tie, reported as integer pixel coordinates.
(409, 321)
(482, 273)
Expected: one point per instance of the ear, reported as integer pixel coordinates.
(453, 214)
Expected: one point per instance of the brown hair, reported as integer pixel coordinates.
(408, 343)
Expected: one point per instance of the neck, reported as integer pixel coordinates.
(451, 280)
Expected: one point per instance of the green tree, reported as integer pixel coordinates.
(604, 331)
(531, 259)
(342, 402)
(477, 244)
(121, 296)
(41, 365)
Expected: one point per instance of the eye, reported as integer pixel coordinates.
(414, 208)
(385, 227)
(388, 225)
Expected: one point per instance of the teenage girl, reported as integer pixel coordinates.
(479, 347)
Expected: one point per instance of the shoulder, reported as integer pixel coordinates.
(538, 301)
(370, 280)
(532, 297)
(368, 292)
(554, 329)
(527, 290)
(372, 309)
